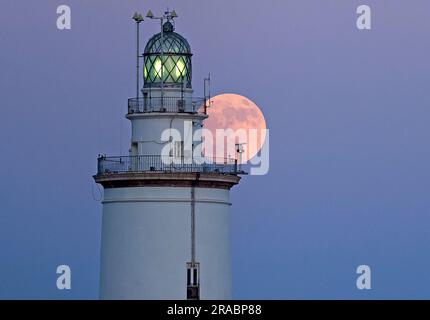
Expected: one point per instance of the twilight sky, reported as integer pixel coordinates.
(347, 110)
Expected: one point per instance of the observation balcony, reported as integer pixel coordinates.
(166, 164)
(167, 104)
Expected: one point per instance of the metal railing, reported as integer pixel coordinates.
(150, 163)
(167, 104)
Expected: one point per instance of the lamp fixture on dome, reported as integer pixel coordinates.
(137, 17)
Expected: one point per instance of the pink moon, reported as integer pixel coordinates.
(233, 111)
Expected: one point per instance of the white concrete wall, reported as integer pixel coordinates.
(146, 242)
(147, 131)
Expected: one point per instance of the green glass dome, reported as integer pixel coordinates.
(176, 61)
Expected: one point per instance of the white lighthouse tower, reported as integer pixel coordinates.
(165, 229)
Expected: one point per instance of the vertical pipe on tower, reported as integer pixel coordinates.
(193, 224)
(162, 63)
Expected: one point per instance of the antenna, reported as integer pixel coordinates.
(207, 91)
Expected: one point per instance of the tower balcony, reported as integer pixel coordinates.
(166, 164)
(167, 104)
(162, 171)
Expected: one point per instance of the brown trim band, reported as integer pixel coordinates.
(176, 179)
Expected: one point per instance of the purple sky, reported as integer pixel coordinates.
(347, 110)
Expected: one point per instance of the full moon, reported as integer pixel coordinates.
(235, 112)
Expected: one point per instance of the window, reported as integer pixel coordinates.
(178, 149)
(176, 69)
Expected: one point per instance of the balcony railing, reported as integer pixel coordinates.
(167, 104)
(149, 163)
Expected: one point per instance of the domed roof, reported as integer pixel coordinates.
(174, 43)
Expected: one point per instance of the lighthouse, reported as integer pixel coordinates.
(166, 207)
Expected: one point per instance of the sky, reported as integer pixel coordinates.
(348, 114)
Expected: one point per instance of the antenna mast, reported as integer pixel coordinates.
(207, 91)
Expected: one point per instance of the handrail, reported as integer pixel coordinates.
(167, 104)
(153, 163)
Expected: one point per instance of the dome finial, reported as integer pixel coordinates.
(168, 27)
